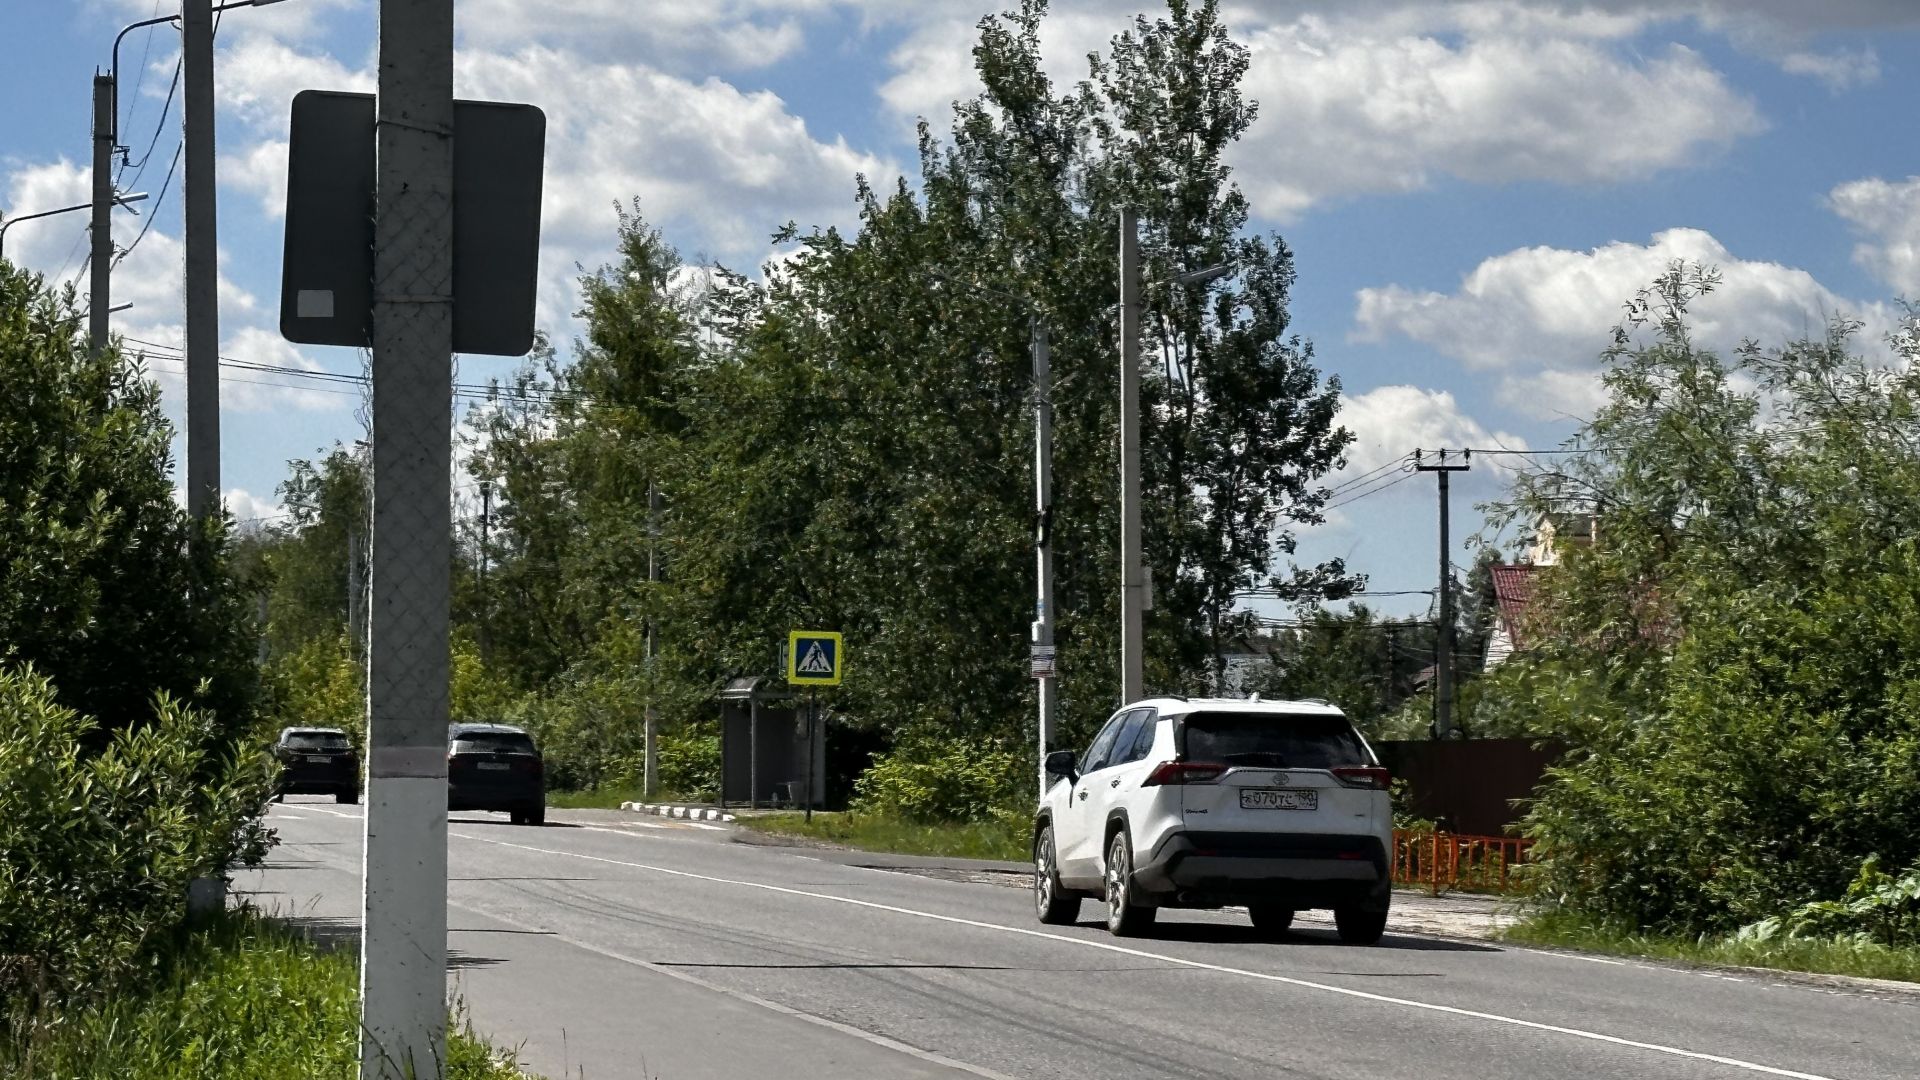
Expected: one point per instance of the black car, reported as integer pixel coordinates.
(496, 767)
(317, 761)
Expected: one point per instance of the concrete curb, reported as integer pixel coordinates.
(675, 810)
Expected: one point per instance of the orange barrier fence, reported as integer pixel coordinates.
(1443, 861)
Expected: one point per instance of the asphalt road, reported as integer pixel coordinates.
(610, 946)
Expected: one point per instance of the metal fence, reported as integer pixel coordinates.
(1444, 862)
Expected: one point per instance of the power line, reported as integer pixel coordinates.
(139, 80)
(158, 204)
(1352, 482)
(1375, 490)
(140, 167)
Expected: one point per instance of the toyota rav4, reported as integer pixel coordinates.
(1279, 806)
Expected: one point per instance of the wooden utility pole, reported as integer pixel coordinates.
(1443, 660)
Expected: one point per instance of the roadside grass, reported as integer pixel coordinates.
(241, 999)
(1818, 956)
(597, 798)
(610, 798)
(996, 839)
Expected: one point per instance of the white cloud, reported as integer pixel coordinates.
(1841, 69)
(734, 34)
(1548, 309)
(1372, 98)
(716, 167)
(1346, 113)
(251, 508)
(1390, 422)
(1886, 214)
(256, 80)
(262, 170)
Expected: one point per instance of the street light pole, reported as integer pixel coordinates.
(1043, 532)
(99, 295)
(202, 345)
(118, 200)
(1134, 600)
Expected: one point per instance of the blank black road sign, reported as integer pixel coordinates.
(326, 281)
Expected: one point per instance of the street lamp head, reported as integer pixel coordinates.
(1203, 276)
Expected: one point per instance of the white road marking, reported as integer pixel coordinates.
(1363, 995)
(751, 999)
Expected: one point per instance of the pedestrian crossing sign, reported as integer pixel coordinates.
(815, 658)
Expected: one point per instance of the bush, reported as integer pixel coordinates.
(106, 586)
(930, 779)
(690, 761)
(1878, 909)
(97, 848)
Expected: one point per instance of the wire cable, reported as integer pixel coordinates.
(1357, 496)
(158, 204)
(140, 167)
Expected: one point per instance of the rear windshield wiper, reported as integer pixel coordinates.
(1257, 757)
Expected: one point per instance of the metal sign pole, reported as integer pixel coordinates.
(813, 719)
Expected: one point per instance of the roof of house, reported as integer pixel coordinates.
(1512, 590)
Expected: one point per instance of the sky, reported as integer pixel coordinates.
(1472, 190)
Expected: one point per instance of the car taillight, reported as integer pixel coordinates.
(1371, 777)
(1184, 772)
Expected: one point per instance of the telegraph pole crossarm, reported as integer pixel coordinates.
(1442, 468)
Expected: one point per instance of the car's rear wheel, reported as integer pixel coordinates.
(1270, 918)
(1052, 902)
(1125, 916)
(1358, 926)
(532, 815)
(350, 796)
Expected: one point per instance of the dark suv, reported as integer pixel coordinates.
(317, 761)
(496, 767)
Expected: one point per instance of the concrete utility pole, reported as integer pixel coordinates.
(356, 594)
(1133, 573)
(403, 958)
(650, 768)
(1043, 529)
(1443, 661)
(99, 293)
(486, 546)
(202, 259)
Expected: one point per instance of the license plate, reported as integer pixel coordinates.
(494, 766)
(319, 760)
(1278, 799)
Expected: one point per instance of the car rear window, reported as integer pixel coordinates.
(1271, 739)
(492, 742)
(317, 740)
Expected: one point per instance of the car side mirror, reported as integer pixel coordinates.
(1063, 763)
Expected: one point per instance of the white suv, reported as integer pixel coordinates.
(1277, 805)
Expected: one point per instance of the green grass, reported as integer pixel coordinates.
(595, 799)
(1826, 957)
(607, 798)
(871, 832)
(241, 1000)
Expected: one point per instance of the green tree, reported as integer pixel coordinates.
(1735, 663)
(107, 588)
(848, 444)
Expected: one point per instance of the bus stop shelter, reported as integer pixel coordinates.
(766, 749)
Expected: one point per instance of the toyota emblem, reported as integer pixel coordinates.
(1280, 779)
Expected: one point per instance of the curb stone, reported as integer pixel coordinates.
(675, 810)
